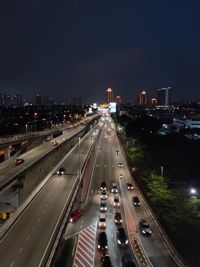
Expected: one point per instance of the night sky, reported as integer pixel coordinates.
(68, 48)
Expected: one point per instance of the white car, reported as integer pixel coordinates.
(114, 188)
(103, 195)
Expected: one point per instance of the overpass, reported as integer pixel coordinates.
(29, 239)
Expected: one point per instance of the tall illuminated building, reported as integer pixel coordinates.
(164, 96)
(153, 101)
(109, 94)
(143, 98)
(38, 100)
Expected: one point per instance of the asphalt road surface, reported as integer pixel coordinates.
(27, 240)
(107, 169)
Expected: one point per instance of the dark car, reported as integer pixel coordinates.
(116, 202)
(103, 206)
(136, 201)
(118, 218)
(61, 171)
(114, 188)
(105, 261)
(127, 262)
(75, 215)
(18, 161)
(122, 239)
(102, 241)
(144, 227)
(129, 186)
(120, 164)
(103, 185)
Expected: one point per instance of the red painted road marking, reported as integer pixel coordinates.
(85, 249)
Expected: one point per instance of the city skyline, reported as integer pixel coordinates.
(80, 49)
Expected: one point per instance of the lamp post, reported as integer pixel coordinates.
(161, 171)
(79, 158)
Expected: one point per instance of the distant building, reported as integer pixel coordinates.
(46, 100)
(18, 100)
(109, 95)
(164, 96)
(38, 100)
(77, 101)
(143, 98)
(118, 99)
(154, 101)
(189, 123)
(5, 100)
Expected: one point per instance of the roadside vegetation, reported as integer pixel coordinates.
(166, 168)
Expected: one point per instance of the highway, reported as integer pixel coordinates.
(8, 170)
(27, 240)
(106, 169)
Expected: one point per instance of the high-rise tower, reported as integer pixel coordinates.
(143, 98)
(109, 94)
(164, 96)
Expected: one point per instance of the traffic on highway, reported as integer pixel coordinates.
(126, 233)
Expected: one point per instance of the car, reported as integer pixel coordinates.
(61, 171)
(122, 239)
(103, 185)
(19, 161)
(54, 142)
(105, 260)
(127, 262)
(144, 227)
(136, 201)
(103, 195)
(116, 202)
(75, 215)
(117, 152)
(118, 218)
(120, 164)
(114, 188)
(129, 186)
(103, 206)
(102, 221)
(102, 241)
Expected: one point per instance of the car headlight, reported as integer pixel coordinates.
(106, 247)
(99, 246)
(119, 242)
(120, 221)
(143, 231)
(71, 220)
(126, 242)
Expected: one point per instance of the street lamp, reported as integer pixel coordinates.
(79, 157)
(161, 171)
(193, 191)
(26, 127)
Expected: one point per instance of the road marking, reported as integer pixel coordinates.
(20, 250)
(12, 264)
(28, 237)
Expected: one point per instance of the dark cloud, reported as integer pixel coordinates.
(67, 48)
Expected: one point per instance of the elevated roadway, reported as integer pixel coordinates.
(26, 242)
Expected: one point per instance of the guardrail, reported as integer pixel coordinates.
(66, 215)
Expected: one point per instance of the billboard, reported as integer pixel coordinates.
(112, 107)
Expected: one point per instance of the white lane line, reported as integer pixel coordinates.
(12, 264)
(28, 237)
(20, 250)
